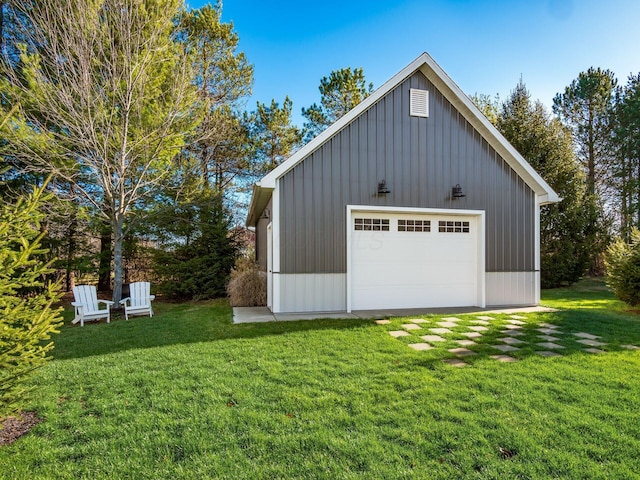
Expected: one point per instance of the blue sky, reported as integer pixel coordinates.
(485, 46)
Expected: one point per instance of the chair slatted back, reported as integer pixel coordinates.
(139, 293)
(87, 296)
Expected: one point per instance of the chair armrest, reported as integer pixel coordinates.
(107, 302)
(76, 304)
(152, 297)
(124, 300)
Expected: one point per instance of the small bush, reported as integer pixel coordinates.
(248, 285)
(623, 269)
(27, 318)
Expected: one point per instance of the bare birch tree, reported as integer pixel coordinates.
(112, 91)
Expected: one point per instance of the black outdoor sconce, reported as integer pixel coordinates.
(382, 188)
(456, 192)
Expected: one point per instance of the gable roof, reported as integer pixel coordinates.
(430, 69)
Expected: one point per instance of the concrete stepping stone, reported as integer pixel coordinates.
(484, 317)
(399, 333)
(432, 338)
(512, 333)
(411, 326)
(465, 343)
(591, 343)
(547, 325)
(447, 324)
(383, 322)
(478, 328)
(505, 348)
(513, 327)
(472, 334)
(549, 331)
(504, 358)
(420, 346)
(418, 320)
(550, 345)
(547, 353)
(518, 317)
(586, 335)
(510, 340)
(516, 322)
(480, 322)
(630, 347)
(462, 352)
(455, 362)
(594, 350)
(549, 338)
(450, 319)
(440, 330)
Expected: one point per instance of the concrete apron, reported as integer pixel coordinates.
(263, 314)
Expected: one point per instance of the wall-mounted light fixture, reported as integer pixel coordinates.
(266, 214)
(456, 192)
(382, 188)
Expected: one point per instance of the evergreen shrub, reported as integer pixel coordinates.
(623, 269)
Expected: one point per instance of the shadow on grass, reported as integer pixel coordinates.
(175, 324)
(587, 307)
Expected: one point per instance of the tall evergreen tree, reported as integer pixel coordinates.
(339, 92)
(547, 146)
(273, 136)
(223, 77)
(626, 179)
(585, 107)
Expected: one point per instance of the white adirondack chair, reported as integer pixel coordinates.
(139, 300)
(86, 305)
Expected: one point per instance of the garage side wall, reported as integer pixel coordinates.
(261, 237)
(421, 159)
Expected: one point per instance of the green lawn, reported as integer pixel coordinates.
(187, 394)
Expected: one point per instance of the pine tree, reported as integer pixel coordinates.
(585, 107)
(547, 146)
(27, 316)
(273, 136)
(339, 92)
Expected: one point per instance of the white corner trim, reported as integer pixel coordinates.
(275, 220)
(536, 234)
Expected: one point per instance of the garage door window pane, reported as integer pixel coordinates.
(374, 224)
(414, 225)
(453, 226)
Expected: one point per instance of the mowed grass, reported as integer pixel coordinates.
(187, 394)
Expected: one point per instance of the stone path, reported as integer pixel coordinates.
(514, 334)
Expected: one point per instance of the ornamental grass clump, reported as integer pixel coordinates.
(623, 269)
(27, 317)
(248, 285)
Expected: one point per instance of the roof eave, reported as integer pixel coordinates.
(259, 199)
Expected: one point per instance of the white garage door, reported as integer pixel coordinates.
(413, 261)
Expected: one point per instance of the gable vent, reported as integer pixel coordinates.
(419, 100)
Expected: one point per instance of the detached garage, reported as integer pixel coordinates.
(411, 200)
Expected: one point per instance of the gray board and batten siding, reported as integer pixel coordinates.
(421, 159)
